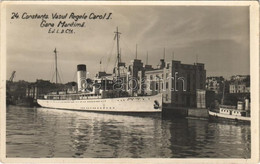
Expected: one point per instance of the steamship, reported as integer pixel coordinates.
(101, 95)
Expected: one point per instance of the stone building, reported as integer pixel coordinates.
(178, 82)
(32, 91)
(239, 88)
(134, 77)
(215, 83)
(239, 84)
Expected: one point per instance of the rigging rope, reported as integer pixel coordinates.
(60, 70)
(74, 76)
(131, 52)
(110, 53)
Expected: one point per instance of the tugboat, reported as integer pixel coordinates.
(230, 113)
(233, 113)
(101, 96)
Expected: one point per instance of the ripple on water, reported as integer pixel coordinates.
(39, 132)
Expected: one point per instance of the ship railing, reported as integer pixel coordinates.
(227, 106)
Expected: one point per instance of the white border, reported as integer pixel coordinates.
(254, 71)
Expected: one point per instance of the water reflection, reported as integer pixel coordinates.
(40, 132)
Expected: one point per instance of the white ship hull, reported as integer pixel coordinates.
(125, 104)
(233, 117)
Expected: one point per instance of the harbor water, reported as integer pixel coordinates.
(47, 133)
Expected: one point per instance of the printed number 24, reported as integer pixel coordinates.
(15, 15)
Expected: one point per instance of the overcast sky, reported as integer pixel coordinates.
(218, 35)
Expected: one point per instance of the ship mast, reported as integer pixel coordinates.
(147, 58)
(56, 67)
(164, 54)
(118, 53)
(223, 94)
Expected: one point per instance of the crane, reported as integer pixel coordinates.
(12, 76)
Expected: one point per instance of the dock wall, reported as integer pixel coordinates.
(198, 112)
(185, 112)
(170, 112)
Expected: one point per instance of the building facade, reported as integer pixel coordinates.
(177, 82)
(32, 92)
(215, 83)
(239, 88)
(134, 78)
(239, 84)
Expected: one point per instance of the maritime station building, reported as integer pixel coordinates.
(177, 82)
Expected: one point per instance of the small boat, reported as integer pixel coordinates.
(241, 112)
(230, 113)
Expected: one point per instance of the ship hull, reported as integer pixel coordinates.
(214, 116)
(142, 104)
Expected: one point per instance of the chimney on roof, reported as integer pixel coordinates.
(162, 64)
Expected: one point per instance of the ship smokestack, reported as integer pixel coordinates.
(81, 77)
(240, 105)
(247, 104)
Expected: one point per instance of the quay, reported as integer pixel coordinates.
(168, 112)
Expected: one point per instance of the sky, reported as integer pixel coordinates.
(219, 36)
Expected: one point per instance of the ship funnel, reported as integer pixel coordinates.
(240, 105)
(247, 104)
(81, 77)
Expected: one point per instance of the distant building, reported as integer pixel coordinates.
(239, 84)
(32, 92)
(215, 83)
(41, 87)
(239, 78)
(239, 88)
